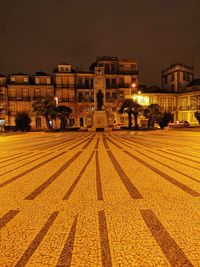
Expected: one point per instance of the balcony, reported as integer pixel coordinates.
(66, 100)
(191, 107)
(16, 98)
(83, 86)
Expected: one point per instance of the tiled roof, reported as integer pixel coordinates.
(41, 73)
(19, 74)
(194, 82)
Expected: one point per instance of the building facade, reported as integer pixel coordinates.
(116, 79)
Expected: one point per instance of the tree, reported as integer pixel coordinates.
(63, 114)
(152, 113)
(164, 118)
(45, 107)
(131, 108)
(197, 115)
(23, 121)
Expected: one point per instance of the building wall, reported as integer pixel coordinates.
(77, 89)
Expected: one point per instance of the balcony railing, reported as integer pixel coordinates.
(16, 98)
(66, 100)
(191, 107)
(83, 86)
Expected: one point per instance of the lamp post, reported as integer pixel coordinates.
(56, 99)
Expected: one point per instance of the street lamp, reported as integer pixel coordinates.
(133, 85)
(56, 99)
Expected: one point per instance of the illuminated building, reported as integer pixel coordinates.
(77, 88)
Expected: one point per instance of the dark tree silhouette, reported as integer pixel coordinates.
(197, 115)
(131, 108)
(63, 114)
(45, 107)
(23, 121)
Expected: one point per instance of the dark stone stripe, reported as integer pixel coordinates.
(97, 143)
(135, 140)
(187, 154)
(87, 144)
(105, 144)
(82, 143)
(165, 157)
(170, 248)
(8, 165)
(49, 181)
(72, 187)
(122, 142)
(16, 154)
(132, 190)
(66, 254)
(8, 217)
(29, 170)
(171, 168)
(165, 176)
(98, 179)
(179, 156)
(25, 164)
(36, 242)
(118, 146)
(132, 141)
(104, 240)
(57, 144)
(15, 157)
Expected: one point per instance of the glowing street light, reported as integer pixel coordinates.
(56, 99)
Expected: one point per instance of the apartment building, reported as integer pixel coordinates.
(117, 79)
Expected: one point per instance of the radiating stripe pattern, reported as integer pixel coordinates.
(98, 177)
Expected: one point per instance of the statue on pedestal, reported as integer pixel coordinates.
(99, 100)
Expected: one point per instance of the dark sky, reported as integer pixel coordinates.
(38, 34)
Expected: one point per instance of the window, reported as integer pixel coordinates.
(170, 102)
(12, 79)
(26, 79)
(24, 92)
(86, 82)
(114, 95)
(12, 92)
(37, 93)
(107, 96)
(25, 108)
(49, 80)
(107, 68)
(37, 80)
(172, 77)
(80, 82)
(49, 92)
(162, 102)
(80, 96)
(113, 82)
(108, 83)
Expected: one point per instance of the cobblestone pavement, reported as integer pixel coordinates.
(100, 199)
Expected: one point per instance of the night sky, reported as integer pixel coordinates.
(39, 34)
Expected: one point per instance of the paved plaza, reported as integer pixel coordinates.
(100, 199)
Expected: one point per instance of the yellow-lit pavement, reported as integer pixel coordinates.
(100, 199)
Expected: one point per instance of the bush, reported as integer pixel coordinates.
(23, 121)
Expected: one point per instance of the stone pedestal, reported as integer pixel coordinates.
(100, 121)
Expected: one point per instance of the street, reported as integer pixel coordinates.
(100, 199)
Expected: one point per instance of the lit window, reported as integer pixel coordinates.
(37, 80)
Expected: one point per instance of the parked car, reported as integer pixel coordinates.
(179, 124)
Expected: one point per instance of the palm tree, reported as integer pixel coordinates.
(131, 108)
(197, 115)
(63, 113)
(45, 107)
(152, 112)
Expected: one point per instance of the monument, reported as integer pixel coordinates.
(100, 116)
